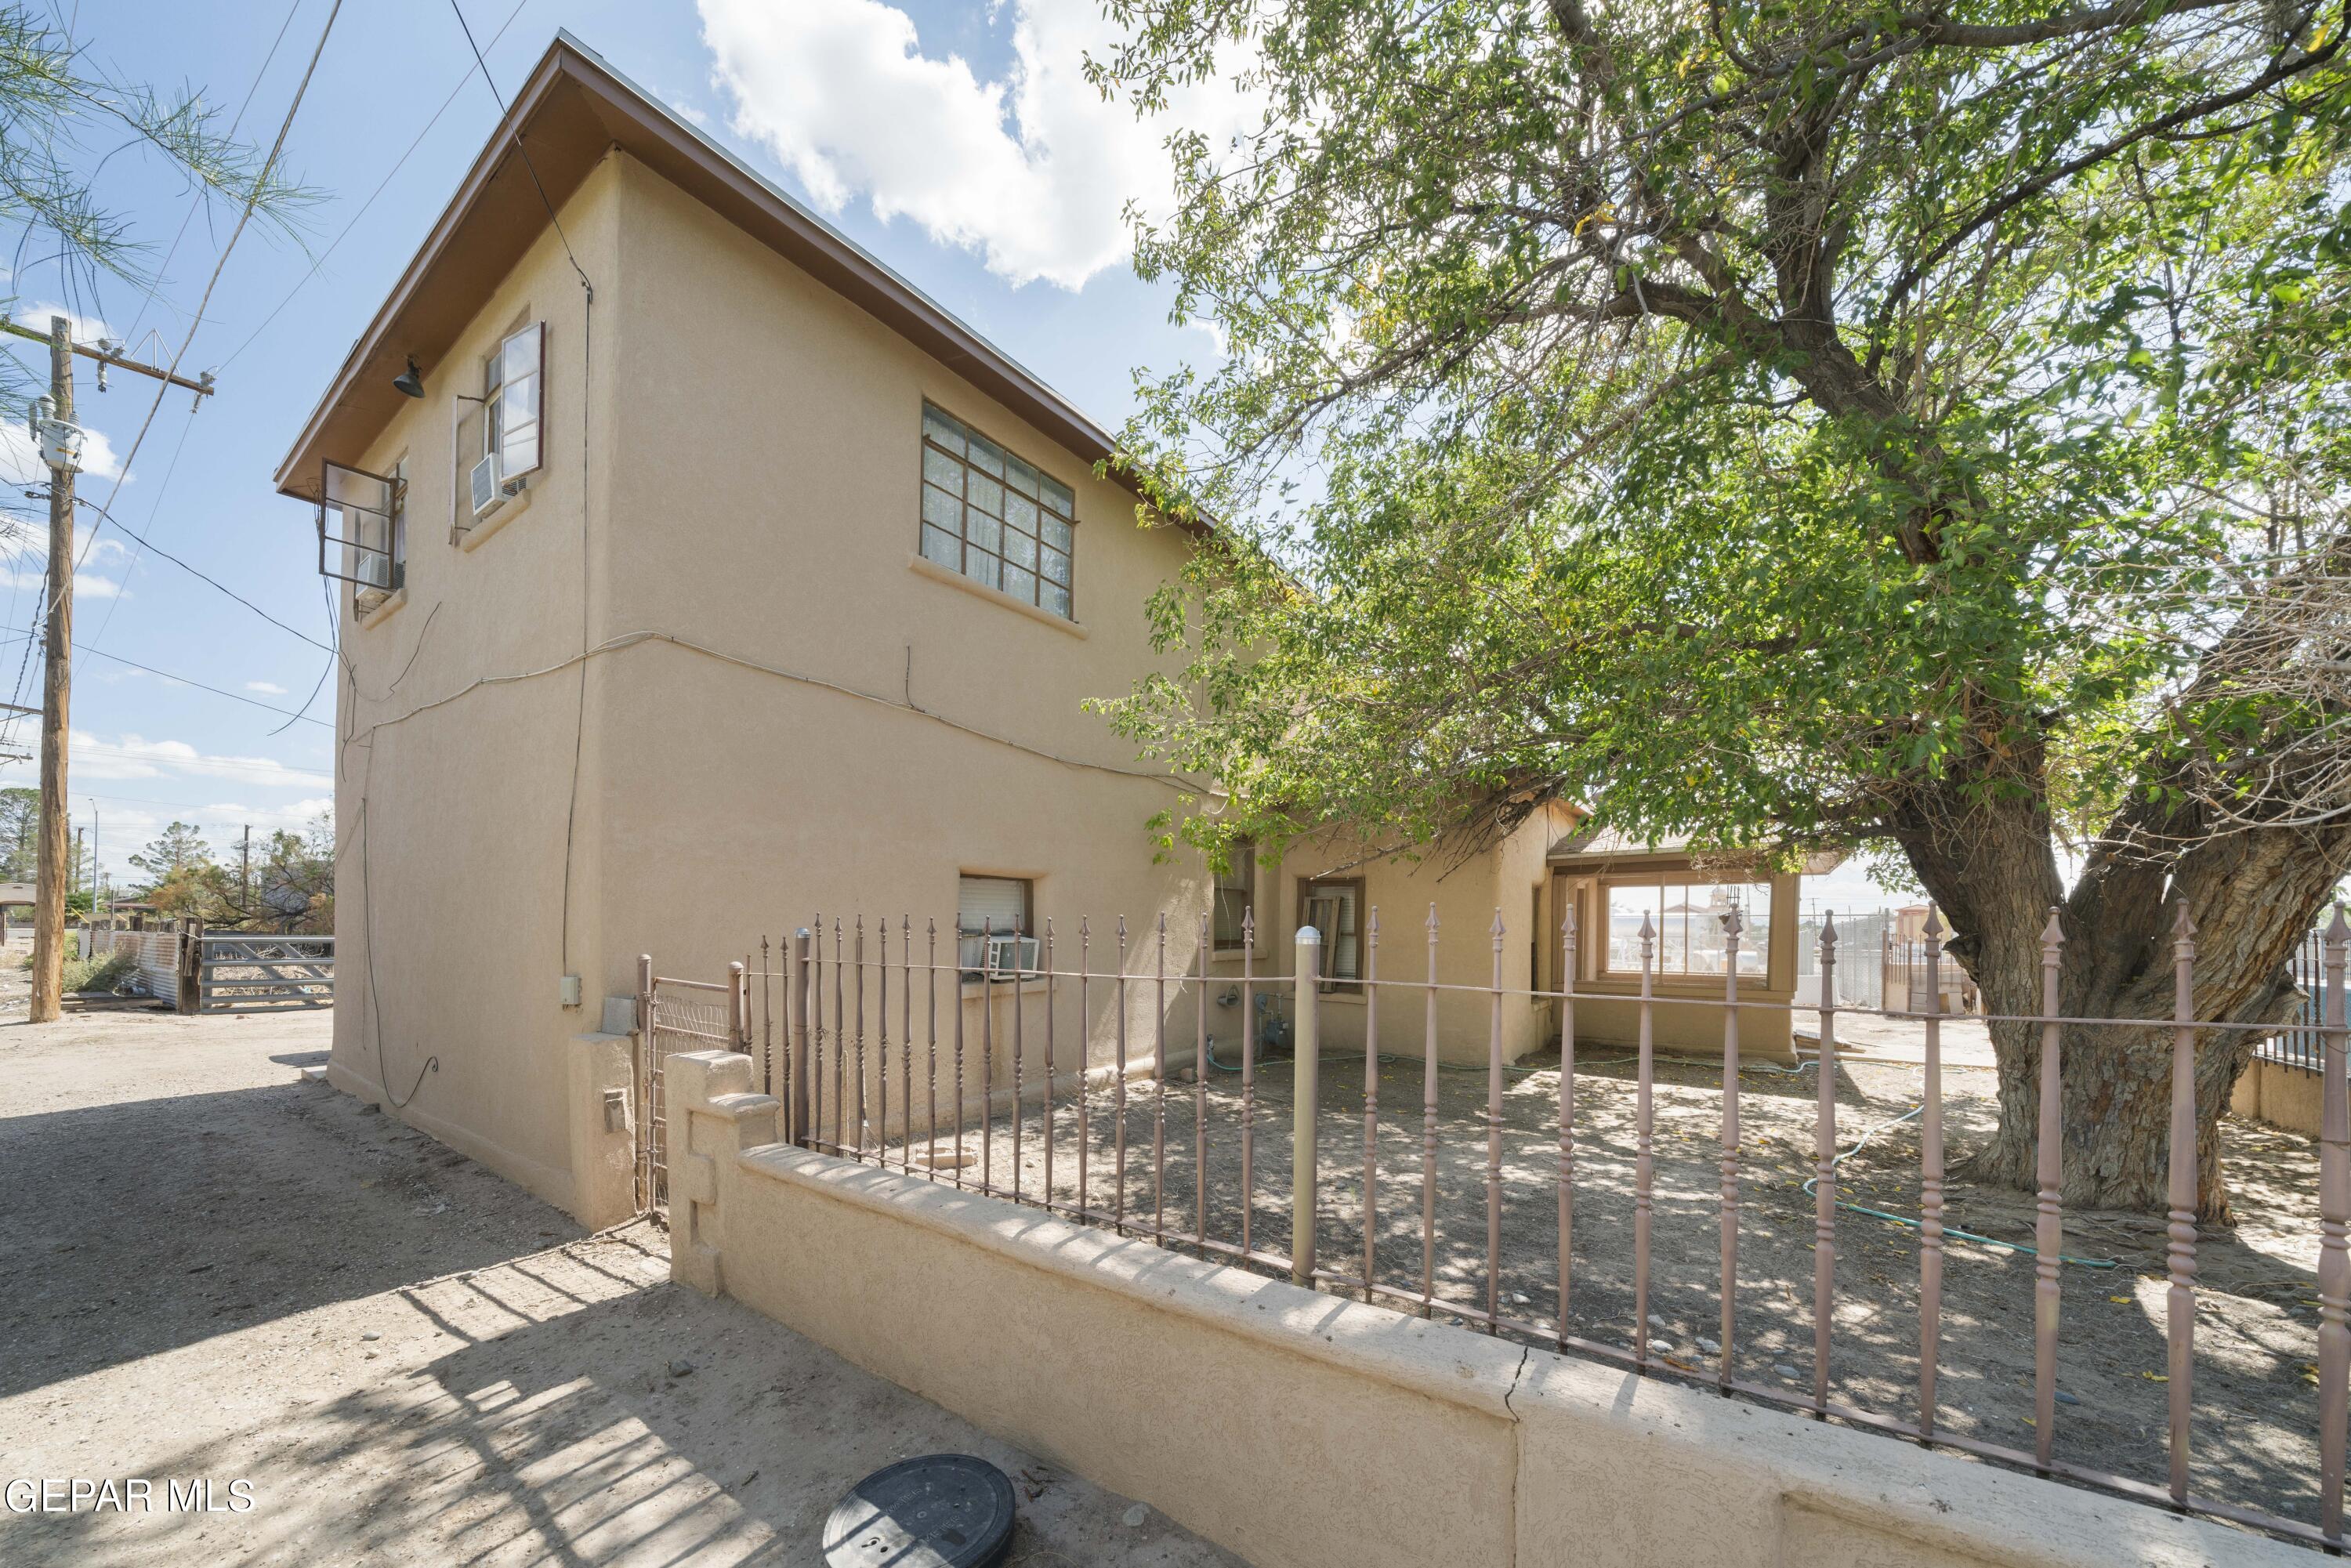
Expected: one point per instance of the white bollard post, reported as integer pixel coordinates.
(1305, 1082)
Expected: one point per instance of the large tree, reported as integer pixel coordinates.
(1919, 427)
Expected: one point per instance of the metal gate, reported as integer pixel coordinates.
(676, 1015)
(239, 972)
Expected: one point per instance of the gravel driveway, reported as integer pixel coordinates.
(218, 1274)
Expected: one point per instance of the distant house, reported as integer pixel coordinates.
(754, 585)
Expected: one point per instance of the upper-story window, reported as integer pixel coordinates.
(511, 401)
(995, 518)
(363, 530)
(498, 435)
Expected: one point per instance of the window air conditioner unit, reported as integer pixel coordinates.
(1009, 958)
(490, 491)
(485, 485)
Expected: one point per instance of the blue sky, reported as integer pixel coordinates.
(148, 748)
(955, 140)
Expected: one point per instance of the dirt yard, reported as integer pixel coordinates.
(2255, 1408)
(217, 1273)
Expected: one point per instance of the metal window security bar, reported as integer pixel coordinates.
(885, 1048)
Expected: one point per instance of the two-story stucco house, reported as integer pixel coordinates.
(700, 574)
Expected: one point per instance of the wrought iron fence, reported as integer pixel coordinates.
(2303, 1043)
(830, 1060)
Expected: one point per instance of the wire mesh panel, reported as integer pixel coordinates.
(681, 1015)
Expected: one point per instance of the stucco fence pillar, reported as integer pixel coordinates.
(1303, 1430)
(717, 1117)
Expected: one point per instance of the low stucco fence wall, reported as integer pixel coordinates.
(1301, 1430)
(2279, 1093)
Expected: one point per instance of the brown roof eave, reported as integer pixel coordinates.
(572, 110)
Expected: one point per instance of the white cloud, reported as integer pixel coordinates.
(132, 757)
(85, 586)
(272, 687)
(1032, 172)
(86, 329)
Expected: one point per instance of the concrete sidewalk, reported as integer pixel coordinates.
(220, 1274)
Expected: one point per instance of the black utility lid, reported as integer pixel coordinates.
(941, 1511)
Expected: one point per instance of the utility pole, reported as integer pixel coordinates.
(60, 441)
(244, 878)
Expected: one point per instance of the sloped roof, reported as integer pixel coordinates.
(574, 108)
(1599, 846)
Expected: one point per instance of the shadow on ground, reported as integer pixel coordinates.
(232, 1222)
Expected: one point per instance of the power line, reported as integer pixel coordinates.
(587, 366)
(279, 309)
(150, 544)
(196, 325)
(161, 490)
(335, 632)
(188, 680)
(515, 135)
(216, 691)
(130, 333)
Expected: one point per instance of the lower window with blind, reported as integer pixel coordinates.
(995, 927)
(1334, 907)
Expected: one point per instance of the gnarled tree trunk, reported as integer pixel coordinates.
(2251, 893)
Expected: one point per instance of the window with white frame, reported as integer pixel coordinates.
(994, 517)
(993, 925)
(499, 435)
(1686, 916)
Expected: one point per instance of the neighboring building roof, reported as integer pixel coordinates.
(1594, 847)
(575, 107)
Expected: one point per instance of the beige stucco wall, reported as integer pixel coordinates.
(1687, 1014)
(1304, 1431)
(453, 796)
(1464, 893)
(2280, 1093)
(781, 712)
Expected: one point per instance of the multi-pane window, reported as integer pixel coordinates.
(995, 518)
(1334, 907)
(510, 381)
(1687, 918)
(500, 436)
(363, 530)
(1236, 893)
